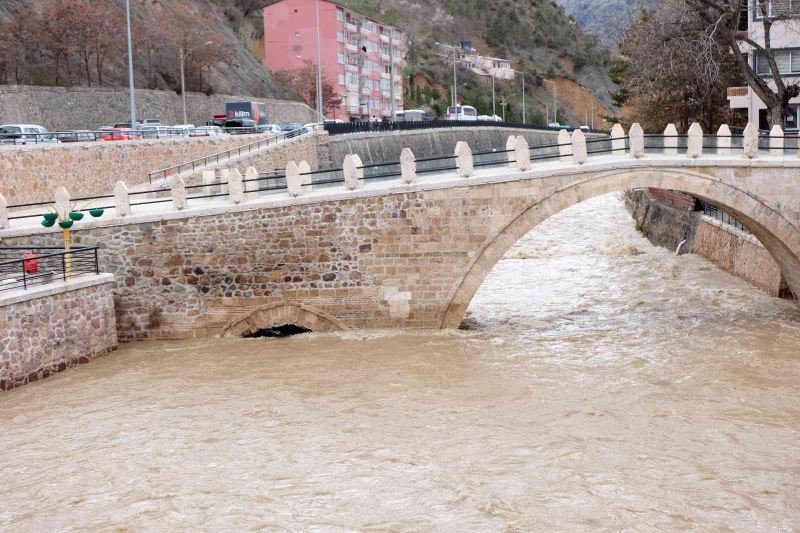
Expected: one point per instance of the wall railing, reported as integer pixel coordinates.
(22, 267)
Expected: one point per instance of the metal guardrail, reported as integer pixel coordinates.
(227, 154)
(336, 128)
(24, 266)
(120, 134)
(722, 216)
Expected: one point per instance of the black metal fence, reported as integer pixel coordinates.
(340, 128)
(226, 154)
(24, 266)
(121, 134)
(722, 216)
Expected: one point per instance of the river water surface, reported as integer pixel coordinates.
(603, 384)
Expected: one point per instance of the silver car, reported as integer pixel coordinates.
(25, 134)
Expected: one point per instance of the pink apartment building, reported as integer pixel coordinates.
(362, 58)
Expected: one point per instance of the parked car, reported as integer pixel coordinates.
(554, 125)
(207, 131)
(289, 126)
(25, 134)
(461, 112)
(240, 126)
(116, 134)
(270, 128)
(585, 128)
(151, 122)
(489, 118)
(77, 136)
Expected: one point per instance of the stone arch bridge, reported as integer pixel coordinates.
(412, 249)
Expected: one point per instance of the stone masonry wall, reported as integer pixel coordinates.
(68, 108)
(49, 333)
(32, 173)
(663, 218)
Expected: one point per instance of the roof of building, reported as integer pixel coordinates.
(341, 4)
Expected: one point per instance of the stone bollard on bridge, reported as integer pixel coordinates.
(670, 140)
(209, 178)
(750, 141)
(511, 146)
(353, 173)
(178, 191)
(522, 154)
(63, 203)
(579, 154)
(305, 176)
(564, 146)
(251, 187)
(724, 140)
(776, 141)
(694, 144)
(293, 181)
(617, 139)
(464, 162)
(235, 186)
(636, 139)
(408, 166)
(3, 212)
(122, 199)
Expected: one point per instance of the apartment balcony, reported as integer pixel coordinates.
(386, 94)
(397, 77)
(349, 26)
(351, 68)
(739, 97)
(386, 57)
(353, 88)
(350, 47)
(385, 75)
(384, 38)
(396, 42)
(397, 60)
(365, 31)
(352, 108)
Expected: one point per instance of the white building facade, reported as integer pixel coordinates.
(785, 42)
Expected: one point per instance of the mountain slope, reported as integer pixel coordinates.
(607, 19)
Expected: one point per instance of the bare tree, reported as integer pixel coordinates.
(673, 73)
(723, 23)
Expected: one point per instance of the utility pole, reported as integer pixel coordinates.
(455, 79)
(391, 75)
(319, 69)
(494, 112)
(130, 64)
(183, 78)
(555, 99)
(523, 98)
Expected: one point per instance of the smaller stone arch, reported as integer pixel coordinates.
(278, 314)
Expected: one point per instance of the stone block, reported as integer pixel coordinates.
(408, 166)
(235, 186)
(578, 147)
(694, 144)
(670, 140)
(565, 146)
(3, 212)
(750, 141)
(353, 172)
(464, 160)
(511, 144)
(776, 141)
(178, 192)
(522, 153)
(63, 203)
(636, 141)
(294, 182)
(617, 139)
(122, 199)
(724, 140)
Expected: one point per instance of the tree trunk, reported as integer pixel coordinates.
(776, 112)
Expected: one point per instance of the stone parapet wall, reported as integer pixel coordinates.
(32, 173)
(69, 108)
(53, 327)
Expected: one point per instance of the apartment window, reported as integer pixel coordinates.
(341, 79)
(297, 34)
(340, 36)
(339, 15)
(788, 62)
(776, 8)
(341, 58)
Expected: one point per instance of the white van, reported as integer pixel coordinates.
(462, 112)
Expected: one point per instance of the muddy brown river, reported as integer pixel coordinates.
(603, 385)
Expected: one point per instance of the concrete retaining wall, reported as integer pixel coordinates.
(55, 326)
(379, 147)
(68, 108)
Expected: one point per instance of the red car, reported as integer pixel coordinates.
(116, 134)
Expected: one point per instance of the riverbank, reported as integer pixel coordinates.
(671, 220)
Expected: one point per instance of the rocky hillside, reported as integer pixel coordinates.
(536, 35)
(607, 19)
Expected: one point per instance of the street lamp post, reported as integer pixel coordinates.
(494, 111)
(555, 99)
(523, 97)
(319, 68)
(130, 64)
(455, 79)
(183, 77)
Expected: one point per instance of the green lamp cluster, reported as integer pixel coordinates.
(49, 219)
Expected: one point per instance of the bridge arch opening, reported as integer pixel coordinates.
(281, 319)
(777, 234)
